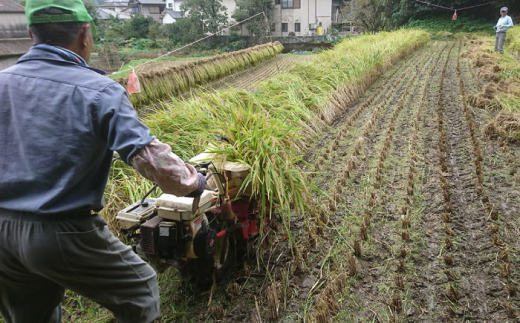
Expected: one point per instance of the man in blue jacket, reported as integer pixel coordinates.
(504, 23)
(60, 122)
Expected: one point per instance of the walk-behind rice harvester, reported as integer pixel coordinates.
(199, 236)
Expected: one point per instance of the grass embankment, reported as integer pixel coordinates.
(501, 88)
(162, 84)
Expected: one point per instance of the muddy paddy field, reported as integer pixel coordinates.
(417, 215)
(423, 210)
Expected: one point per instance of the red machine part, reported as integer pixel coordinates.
(241, 210)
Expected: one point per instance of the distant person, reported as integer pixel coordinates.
(504, 23)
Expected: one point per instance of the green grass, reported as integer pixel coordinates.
(444, 23)
(513, 39)
(510, 103)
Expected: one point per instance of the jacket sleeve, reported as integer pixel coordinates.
(157, 163)
(117, 124)
(509, 23)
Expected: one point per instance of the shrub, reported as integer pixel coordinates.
(445, 23)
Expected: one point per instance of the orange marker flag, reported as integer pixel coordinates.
(133, 85)
(455, 15)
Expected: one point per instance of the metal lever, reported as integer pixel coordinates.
(143, 203)
(195, 205)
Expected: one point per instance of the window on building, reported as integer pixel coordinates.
(291, 4)
(277, 1)
(285, 27)
(297, 27)
(170, 5)
(154, 10)
(273, 27)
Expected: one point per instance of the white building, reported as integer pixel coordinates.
(174, 5)
(301, 17)
(170, 16)
(230, 7)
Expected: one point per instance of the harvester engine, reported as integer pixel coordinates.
(195, 235)
(175, 234)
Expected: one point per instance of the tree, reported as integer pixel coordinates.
(249, 8)
(372, 15)
(404, 10)
(184, 31)
(153, 32)
(137, 27)
(205, 16)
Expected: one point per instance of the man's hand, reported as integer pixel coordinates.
(200, 187)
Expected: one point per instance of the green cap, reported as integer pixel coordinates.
(76, 11)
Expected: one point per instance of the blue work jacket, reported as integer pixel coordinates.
(60, 122)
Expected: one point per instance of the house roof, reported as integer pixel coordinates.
(107, 13)
(174, 14)
(151, 1)
(15, 46)
(10, 6)
(114, 4)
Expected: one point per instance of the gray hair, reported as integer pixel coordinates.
(56, 33)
